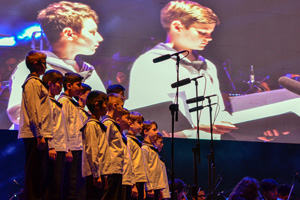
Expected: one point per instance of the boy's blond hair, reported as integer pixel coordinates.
(136, 116)
(113, 98)
(188, 13)
(58, 16)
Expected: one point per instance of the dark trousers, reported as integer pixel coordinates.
(126, 192)
(113, 191)
(93, 192)
(74, 183)
(140, 187)
(156, 195)
(55, 177)
(35, 170)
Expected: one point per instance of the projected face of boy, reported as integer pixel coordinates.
(88, 40)
(196, 37)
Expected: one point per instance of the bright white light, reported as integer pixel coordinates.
(27, 32)
(7, 41)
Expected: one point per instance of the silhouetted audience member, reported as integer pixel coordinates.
(269, 188)
(246, 189)
(179, 189)
(283, 192)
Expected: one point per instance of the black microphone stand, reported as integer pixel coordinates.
(211, 157)
(196, 149)
(174, 112)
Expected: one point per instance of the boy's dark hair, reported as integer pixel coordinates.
(72, 78)
(126, 111)
(53, 76)
(268, 184)
(147, 126)
(94, 97)
(159, 136)
(34, 56)
(115, 89)
(136, 116)
(84, 89)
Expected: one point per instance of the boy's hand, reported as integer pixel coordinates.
(150, 193)
(69, 156)
(41, 143)
(97, 182)
(52, 154)
(134, 191)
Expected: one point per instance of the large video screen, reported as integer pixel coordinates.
(234, 67)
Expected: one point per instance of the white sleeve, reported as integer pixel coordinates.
(16, 82)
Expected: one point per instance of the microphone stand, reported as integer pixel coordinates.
(174, 112)
(293, 185)
(196, 149)
(211, 156)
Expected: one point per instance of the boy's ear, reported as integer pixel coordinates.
(115, 106)
(176, 26)
(68, 33)
(118, 119)
(97, 105)
(69, 85)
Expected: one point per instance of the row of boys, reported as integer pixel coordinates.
(66, 143)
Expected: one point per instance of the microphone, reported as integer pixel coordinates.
(181, 83)
(167, 56)
(200, 98)
(200, 107)
(194, 79)
(184, 82)
(290, 84)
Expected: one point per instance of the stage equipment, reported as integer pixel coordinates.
(290, 84)
(174, 110)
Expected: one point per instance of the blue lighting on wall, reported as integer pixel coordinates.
(7, 41)
(26, 33)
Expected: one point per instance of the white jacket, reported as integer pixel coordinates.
(166, 190)
(134, 146)
(116, 146)
(59, 140)
(36, 112)
(153, 167)
(128, 175)
(96, 157)
(73, 122)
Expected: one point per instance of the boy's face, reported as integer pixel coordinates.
(196, 37)
(41, 67)
(74, 89)
(103, 109)
(56, 87)
(159, 144)
(124, 122)
(83, 96)
(88, 40)
(119, 108)
(136, 127)
(151, 134)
